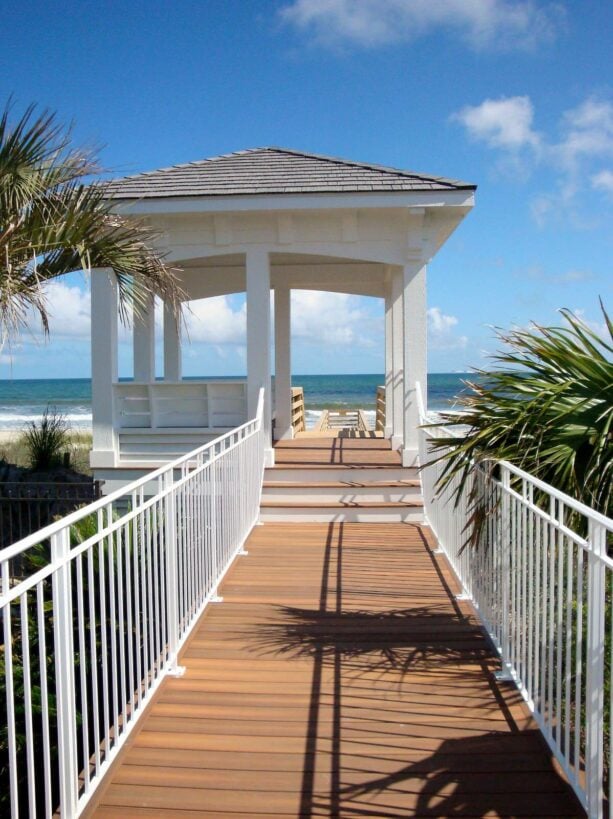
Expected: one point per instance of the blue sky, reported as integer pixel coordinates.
(514, 96)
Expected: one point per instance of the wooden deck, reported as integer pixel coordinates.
(341, 678)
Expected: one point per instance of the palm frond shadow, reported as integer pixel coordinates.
(454, 781)
(370, 641)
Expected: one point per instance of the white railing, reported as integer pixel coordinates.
(542, 582)
(96, 607)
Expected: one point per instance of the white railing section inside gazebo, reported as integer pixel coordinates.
(542, 582)
(96, 606)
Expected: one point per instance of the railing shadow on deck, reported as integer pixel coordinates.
(487, 773)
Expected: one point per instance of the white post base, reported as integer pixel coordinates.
(397, 441)
(269, 457)
(288, 435)
(103, 459)
(410, 457)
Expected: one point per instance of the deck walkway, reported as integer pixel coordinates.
(340, 677)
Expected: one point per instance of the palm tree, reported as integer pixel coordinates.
(53, 222)
(546, 406)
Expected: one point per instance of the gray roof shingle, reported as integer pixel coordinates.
(274, 170)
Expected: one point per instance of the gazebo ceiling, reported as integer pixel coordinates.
(273, 170)
(224, 274)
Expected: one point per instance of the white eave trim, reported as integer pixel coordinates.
(295, 201)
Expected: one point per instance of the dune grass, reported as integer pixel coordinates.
(78, 445)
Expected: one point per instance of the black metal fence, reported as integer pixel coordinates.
(26, 507)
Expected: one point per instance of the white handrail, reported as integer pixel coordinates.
(540, 581)
(93, 622)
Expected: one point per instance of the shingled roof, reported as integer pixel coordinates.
(272, 171)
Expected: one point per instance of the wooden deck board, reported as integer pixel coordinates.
(339, 677)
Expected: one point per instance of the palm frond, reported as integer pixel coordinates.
(546, 406)
(53, 223)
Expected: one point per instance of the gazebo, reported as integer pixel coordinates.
(260, 221)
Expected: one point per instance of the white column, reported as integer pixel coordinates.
(104, 366)
(397, 360)
(283, 364)
(415, 354)
(144, 343)
(172, 346)
(257, 266)
(389, 365)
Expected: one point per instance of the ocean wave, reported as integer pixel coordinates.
(14, 420)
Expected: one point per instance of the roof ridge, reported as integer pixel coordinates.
(389, 169)
(386, 169)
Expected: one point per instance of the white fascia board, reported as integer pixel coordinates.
(295, 201)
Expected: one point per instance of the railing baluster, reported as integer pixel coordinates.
(83, 661)
(44, 696)
(172, 598)
(594, 684)
(27, 696)
(9, 681)
(64, 672)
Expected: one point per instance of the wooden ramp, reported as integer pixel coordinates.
(339, 678)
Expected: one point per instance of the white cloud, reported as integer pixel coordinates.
(584, 138)
(330, 318)
(538, 273)
(482, 24)
(317, 318)
(334, 319)
(440, 331)
(214, 321)
(506, 123)
(68, 307)
(503, 123)
(603, 180)
(587, 131)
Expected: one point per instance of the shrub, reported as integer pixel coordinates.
(46, 440)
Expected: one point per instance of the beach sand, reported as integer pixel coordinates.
(7, 436)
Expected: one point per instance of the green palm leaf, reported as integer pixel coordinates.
(546, 406)
(53, 223)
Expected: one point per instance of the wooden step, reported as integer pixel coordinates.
(364, 491)
(322, 511)
(338, 473)
(343, 484)
(302, 504)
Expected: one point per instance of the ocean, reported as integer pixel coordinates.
(24, 400)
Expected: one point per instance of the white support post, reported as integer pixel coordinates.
(257, 264)
(397, 360)
(389, 365)
(283, 358)
(144, 343)
(172, 345)
(104, 366)
(415, 354)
